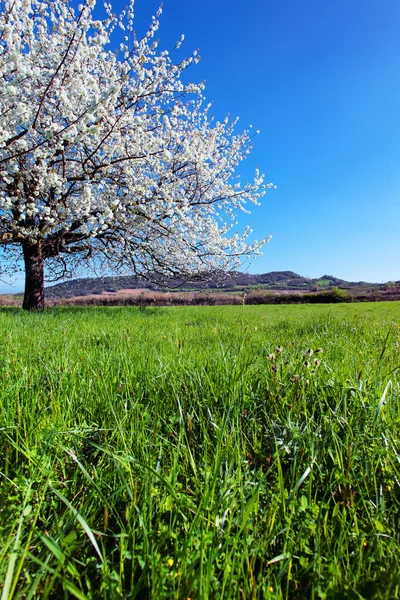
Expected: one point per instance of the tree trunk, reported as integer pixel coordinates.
(34, 277)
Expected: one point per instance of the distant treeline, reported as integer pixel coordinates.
(334, 295)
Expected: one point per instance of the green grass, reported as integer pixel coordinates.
(200, 452)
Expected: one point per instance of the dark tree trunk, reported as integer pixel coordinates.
(34, 277)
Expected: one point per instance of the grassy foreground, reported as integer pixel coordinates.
(233, 452)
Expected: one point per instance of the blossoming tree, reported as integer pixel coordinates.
(106, 154)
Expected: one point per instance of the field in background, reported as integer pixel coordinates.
(214, 297)
(200, 452)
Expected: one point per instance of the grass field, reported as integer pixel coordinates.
(227, 452)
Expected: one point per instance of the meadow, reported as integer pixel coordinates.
(200, 452)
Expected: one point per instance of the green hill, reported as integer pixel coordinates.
(276, 280)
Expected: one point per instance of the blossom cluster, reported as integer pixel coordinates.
(108, 151)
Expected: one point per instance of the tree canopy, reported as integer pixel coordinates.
(107, 155)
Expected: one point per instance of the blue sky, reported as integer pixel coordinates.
(321, 80)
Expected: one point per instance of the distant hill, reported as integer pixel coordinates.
(276, 280)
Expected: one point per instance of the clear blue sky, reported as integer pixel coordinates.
(321, 80)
